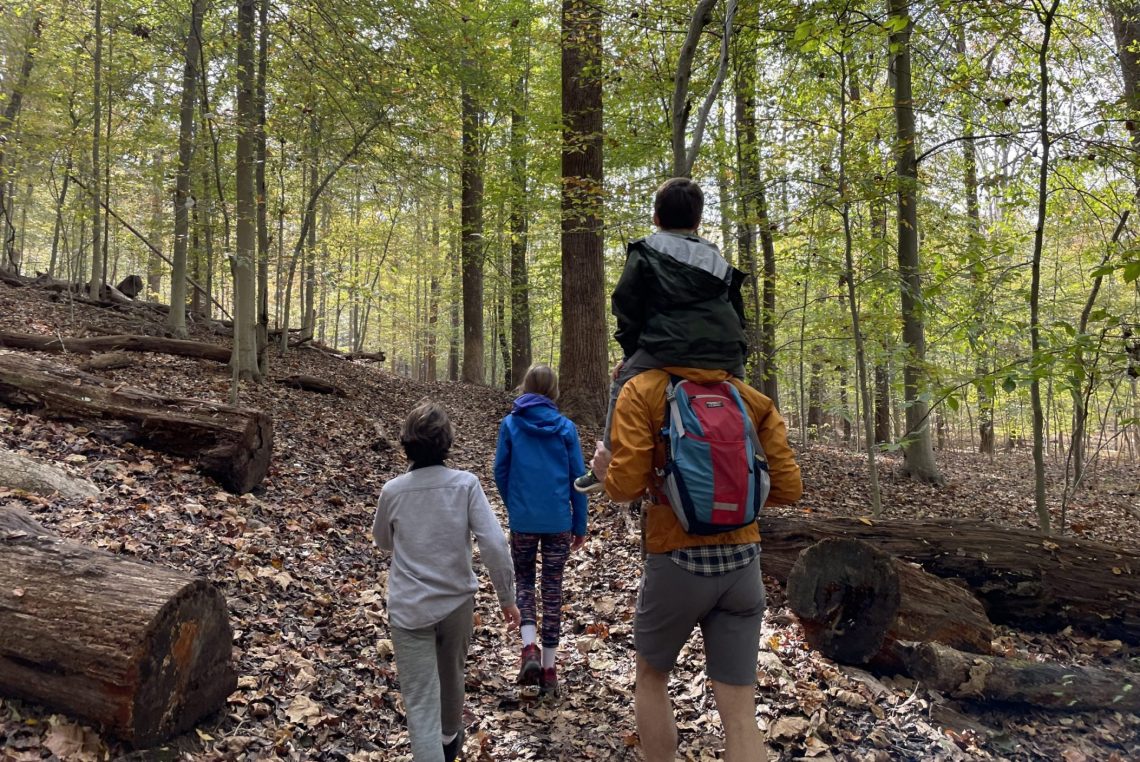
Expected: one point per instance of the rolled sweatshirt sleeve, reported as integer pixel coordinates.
(382, 524)
(493, 548)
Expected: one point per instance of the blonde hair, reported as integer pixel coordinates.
(541, 379)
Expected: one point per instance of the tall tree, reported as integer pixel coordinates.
(583, 356)
(95, 287)
(918, 450)
(176, 318)
(520, 286)
(11, 112)
(471, 217)
(244, 361)
(1046, 14)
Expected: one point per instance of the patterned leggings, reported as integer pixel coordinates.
(555, 551)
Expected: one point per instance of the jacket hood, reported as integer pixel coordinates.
(698, 375)
(537, 414)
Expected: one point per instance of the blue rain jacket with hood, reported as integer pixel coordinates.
(537, 459)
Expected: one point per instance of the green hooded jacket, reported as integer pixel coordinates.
(679, 300)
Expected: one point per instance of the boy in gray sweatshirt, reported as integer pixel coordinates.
(426, 517)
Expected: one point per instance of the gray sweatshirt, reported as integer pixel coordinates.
(426, 518)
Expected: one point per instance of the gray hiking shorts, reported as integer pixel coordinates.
(729, 610)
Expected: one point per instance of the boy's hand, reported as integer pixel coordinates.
(617, 369)
(513, 617)
(577, 542)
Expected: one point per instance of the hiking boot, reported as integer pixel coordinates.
(548, 683)
(530, 669)
(451, 750)
(587, 483)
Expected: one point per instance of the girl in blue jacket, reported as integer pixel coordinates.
(537, 459)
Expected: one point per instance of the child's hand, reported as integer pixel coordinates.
(513, 617)
(577, 542)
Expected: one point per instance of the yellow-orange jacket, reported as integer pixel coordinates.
(638, 451)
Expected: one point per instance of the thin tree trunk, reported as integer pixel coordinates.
(57, 227)
(245, 361)
(520, 287)
(176, 319)
(918, 452)
(7, 122)
(1035, 288)
(95, 286)
(849, 278)
(456, 299)
(261, 157)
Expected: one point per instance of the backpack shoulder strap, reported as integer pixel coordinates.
(672, 409)
(751, 429)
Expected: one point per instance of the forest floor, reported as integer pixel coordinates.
(306, 588)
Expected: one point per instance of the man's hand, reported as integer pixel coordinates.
(577, 542)
(513, 617)
(617, 369)
(600, 463)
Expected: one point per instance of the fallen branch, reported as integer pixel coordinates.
(127, 343)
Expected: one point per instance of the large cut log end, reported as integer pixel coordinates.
(142, 650)
(845, 594)
(184, 667)
(242, 463)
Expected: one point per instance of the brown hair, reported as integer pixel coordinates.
(427, 434)
(678, 204)
(541, 379)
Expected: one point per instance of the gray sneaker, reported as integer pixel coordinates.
(587, 483)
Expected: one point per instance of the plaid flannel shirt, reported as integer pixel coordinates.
(715, 560)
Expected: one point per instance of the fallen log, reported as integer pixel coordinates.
(1023, 579)
(140, 649)
(124, 343)
(107, 361)
(312, 384)
(1040, 684)
(30, 475)
(374, 356)
(855, 602)
(233, 445)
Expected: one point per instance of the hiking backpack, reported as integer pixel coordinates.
(715, 476)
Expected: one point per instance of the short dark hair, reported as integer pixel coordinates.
(427, 434)
(678, 204)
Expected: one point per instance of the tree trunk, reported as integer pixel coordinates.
(471, 225)
(140, 649)
(583, 368)
(245, 361)
(993, 678)
(86, 345)
(233, 445)
(97, 275)
(520, 286)
(176, 319)
(1023, 578)
(748, 171)
(856, 602)
(7, 122)
(456, 297)
(1043, 520)
(262, 189)
(918, 452)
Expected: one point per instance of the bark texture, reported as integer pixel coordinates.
(140, 649)
(126, 343)
(25, 473)
(855, 602)
(233, 445)
(1023, 578)
(993, 678)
